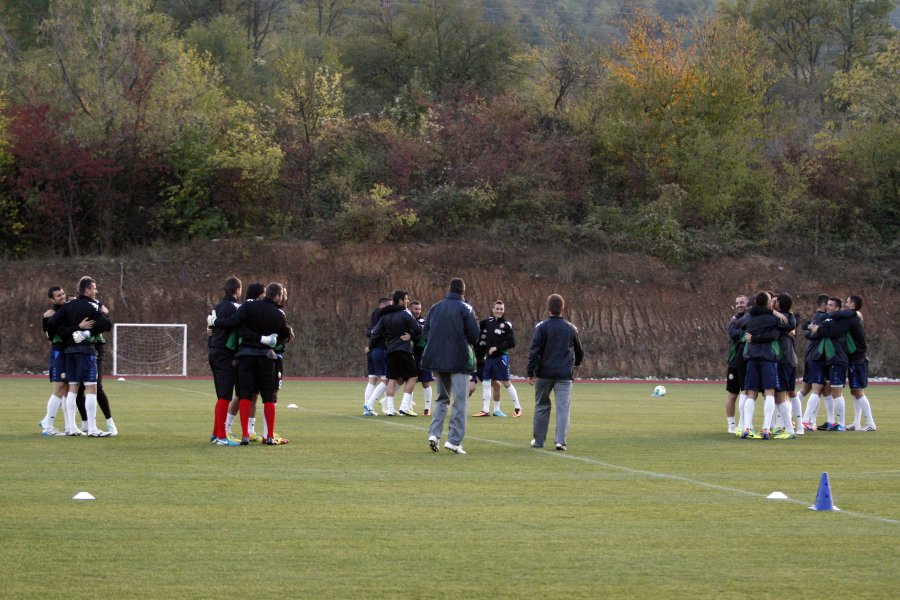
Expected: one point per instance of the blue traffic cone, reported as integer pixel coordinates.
(823, 496)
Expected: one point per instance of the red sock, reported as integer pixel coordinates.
(245, 417)
(269, 411)
(221, 414)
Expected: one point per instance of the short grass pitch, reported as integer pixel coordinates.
(652, 499)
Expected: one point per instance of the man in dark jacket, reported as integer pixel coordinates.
(495, 342)
(814, 382)
(81, 357)
(400, 331)
(376, 363)
(555, 354)
(451, 331)
(262, 326)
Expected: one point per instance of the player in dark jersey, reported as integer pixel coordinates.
(833, 331)
(787, 367)
(376, 364)
(737, 365)
(814, 382)
(426, 377)
(858, 368)
(223, 344)
(56, 363)
(400, 330)
(495, 341)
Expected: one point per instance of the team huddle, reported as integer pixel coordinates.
(75, 328)
(246, 345)
(762, 358)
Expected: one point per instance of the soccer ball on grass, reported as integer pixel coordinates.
(659, 391)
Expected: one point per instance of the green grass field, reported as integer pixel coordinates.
(653, 498)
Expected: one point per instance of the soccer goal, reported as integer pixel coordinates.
(150, 349)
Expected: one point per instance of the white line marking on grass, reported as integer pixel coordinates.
(399, 422)
(601, 463)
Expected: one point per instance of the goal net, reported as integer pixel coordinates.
(149, 349)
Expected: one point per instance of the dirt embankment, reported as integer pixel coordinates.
(637, 317)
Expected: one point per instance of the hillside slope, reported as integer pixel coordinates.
(638, 318)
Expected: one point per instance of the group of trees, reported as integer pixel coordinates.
(765, 123)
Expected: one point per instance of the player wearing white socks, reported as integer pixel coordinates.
(56, 363)
(496, 339)
(814, 369)
(737, 365)
(787, 367)
(425, 377)
(858, 369)
(376, 363)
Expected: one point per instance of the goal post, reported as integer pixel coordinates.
(153, 349)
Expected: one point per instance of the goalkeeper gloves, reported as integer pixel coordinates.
(80, 336)
(269, 340)
(211, 319)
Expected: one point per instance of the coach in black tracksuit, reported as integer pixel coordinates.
(262, 325)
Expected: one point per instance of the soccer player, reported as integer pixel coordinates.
(81, 357)
(763, 327)
(833, 331)
(787, 362)
(814, 382)
(56, 362)
(400, 330)
(262, 325)
(223, 344)
(555, 354)
(376, 363)
(102, 398)
(497, 339)
(451, 330)
(737, 366)
(858, 369)
(425, 376)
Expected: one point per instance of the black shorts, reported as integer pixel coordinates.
(224, 371)
(401, 366)
(257, 375)
(734, 383)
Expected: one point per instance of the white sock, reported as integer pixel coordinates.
(739, 410)
(829, 408)
(840, 410)
(812, 409)
(768, 412)
(69, 410)
(251, 425)
(496, 405)
(109, 422)
(53, 405)
(407, 402)
(376, 394)
(369, 387)
(90, 405)
(514, 395)
(866, 407)
(266, 433)
(747, 413)
(797, 409)
(427, 394)
(388, 404)
(486, 395)
(229, 419)
(785, 410)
